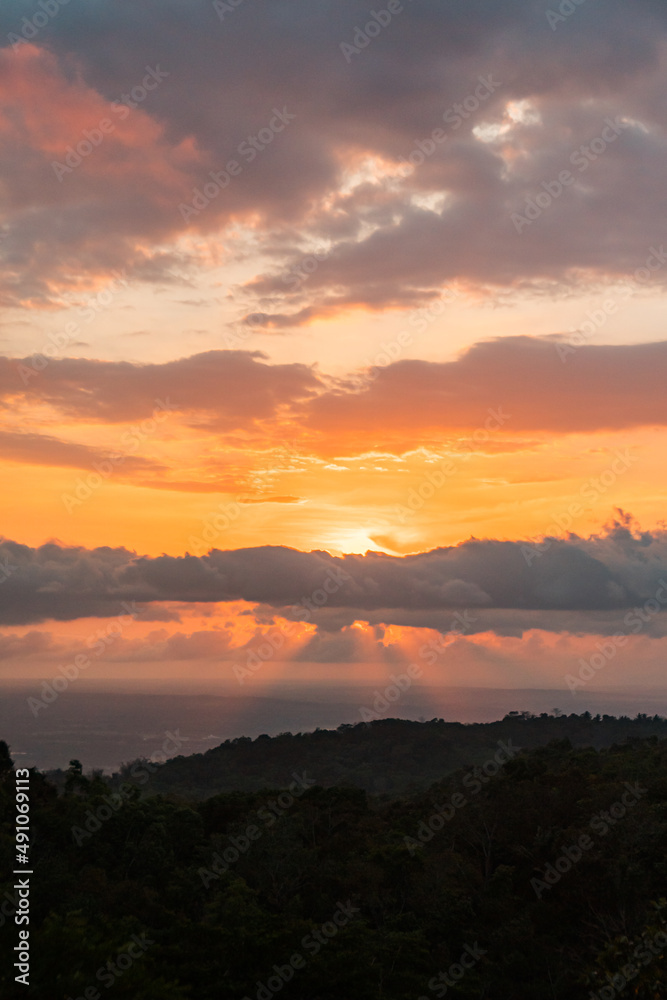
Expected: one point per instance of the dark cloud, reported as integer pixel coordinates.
(121, 207)
(607, 573)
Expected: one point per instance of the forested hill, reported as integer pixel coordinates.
(543, 881)
(390, 756)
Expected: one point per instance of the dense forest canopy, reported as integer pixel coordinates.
(529, 874)
(389, 756)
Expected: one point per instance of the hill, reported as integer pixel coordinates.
(540, 875)
(388, 756)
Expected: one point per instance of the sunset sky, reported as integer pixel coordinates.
(307, 298)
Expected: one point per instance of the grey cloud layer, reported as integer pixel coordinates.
(603, 574)
(225, 77)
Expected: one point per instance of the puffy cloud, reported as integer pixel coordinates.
(616, 570)
(72, 219)
(395, 239)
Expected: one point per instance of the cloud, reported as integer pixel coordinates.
(69, 228)
(226, 389)
(212, 644)
(395, 240)
(20, 646)
(42, 449)
(606, 573)
(602, 387)
(518, 384)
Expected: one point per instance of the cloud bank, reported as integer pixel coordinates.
(606, 573)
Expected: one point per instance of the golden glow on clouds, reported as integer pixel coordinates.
(241, 649)
(344, 486)
(512, 487)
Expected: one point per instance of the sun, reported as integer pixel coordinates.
(353, 541)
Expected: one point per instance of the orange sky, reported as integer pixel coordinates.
(331, 353)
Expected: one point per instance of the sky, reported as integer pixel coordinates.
(333, 342)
